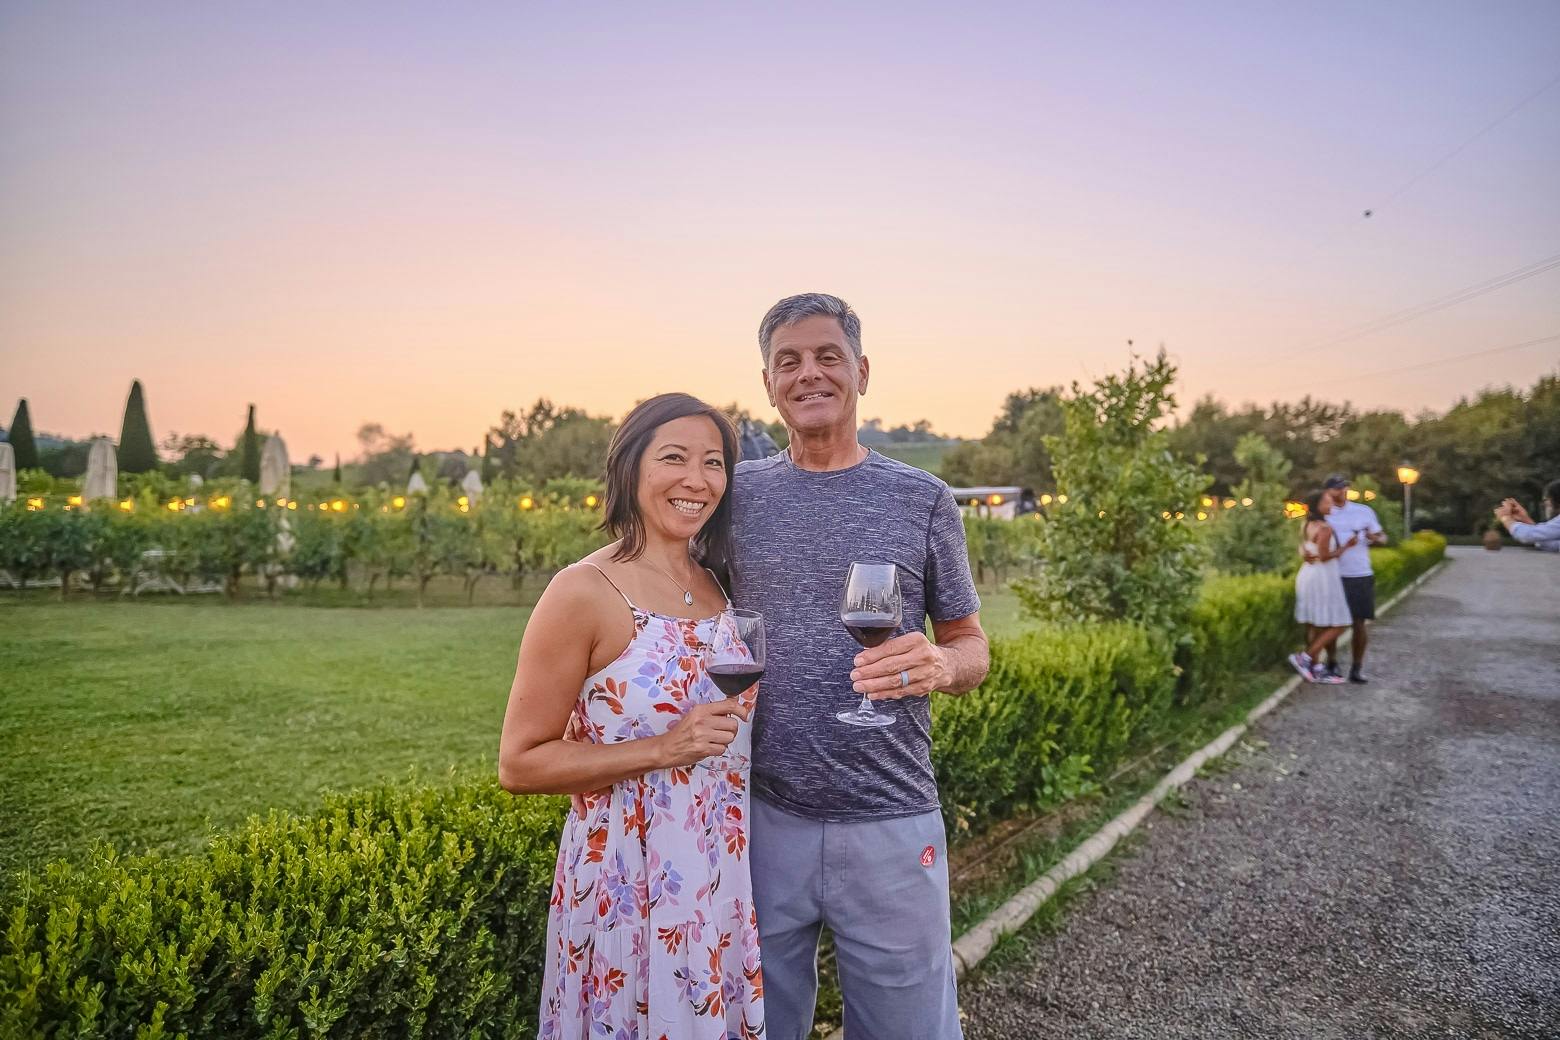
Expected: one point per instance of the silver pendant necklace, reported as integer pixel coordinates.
(687, 595)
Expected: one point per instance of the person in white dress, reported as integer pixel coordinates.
(1319, 600)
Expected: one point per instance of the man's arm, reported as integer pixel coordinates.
(1547, 531)
(1374, 534)
(956, 663)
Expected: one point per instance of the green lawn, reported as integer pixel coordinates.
(141, 724)
(923, 456)
(147, 723)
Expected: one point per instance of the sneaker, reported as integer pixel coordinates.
(1329, 678)
(1357, 676)
(1302, 664)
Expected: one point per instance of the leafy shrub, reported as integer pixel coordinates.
(1255, 539)
(23, 554)
(1239, 625)
(1070, 694)
(996, 545)
(1111, 551)
(320, 545)
(1396, 566)
(393, 912)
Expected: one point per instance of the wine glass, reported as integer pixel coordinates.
(735, 665)
(871, 610)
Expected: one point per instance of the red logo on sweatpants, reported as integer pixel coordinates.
(928, 856)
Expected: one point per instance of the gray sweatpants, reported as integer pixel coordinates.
(883, 895)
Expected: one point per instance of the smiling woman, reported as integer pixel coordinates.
(616, 706)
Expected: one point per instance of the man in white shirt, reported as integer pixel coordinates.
(1348, 519)
(1545, 536)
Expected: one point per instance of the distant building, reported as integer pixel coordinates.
(1001, 503)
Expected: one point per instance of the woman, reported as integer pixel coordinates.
(651, 930)
(1319, 599)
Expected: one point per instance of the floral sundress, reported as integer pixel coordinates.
(651, 931)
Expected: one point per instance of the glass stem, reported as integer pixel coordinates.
(866, 706)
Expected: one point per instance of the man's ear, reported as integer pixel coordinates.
(769, 390)
(863, 372)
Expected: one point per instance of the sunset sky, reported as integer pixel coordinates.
(422, 214)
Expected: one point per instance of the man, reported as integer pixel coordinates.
(1348, 519)
(846, 829)
(1545, 536)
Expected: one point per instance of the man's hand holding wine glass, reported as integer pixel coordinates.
(877, 672)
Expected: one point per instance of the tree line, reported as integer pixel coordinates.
(1500, 442)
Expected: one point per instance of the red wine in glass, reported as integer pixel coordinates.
(870, 628)
(871, 610)
(734, 678)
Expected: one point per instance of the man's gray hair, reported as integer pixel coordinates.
(793, 309)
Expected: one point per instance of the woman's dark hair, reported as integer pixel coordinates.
(711, 545)
(1313, 508)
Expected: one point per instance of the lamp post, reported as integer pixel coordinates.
(1408, 476)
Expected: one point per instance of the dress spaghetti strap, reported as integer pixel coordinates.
(722, 588)
(609, 581)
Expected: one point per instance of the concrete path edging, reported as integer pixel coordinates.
(975, 944)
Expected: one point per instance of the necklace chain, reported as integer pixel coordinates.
(687, 594)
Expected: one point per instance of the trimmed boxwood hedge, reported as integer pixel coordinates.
(391, 912)
(421, 911)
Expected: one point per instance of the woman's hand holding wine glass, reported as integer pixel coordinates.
(703, 732)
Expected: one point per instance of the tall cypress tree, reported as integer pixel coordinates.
(137, 454)
(21, 438)
(336, 473)
(249, 452)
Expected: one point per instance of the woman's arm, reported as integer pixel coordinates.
(555, 658)
(1327, 545)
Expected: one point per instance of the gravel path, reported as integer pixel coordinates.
(1382, 861)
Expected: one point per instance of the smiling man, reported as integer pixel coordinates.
(846, 825)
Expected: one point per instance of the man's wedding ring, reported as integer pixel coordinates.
(904, 679)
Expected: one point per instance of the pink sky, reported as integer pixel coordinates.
(423, 218)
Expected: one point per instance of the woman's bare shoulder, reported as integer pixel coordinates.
(577, 585)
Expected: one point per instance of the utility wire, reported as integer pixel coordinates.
(1419, 310)
(1436, 362)
(1443, 160)
(1459, 357)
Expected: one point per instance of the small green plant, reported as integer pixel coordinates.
(1253, 536)
(1112, 547)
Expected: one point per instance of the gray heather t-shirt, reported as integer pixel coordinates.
(795, 533)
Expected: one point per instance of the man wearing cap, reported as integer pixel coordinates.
(1348, 519)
